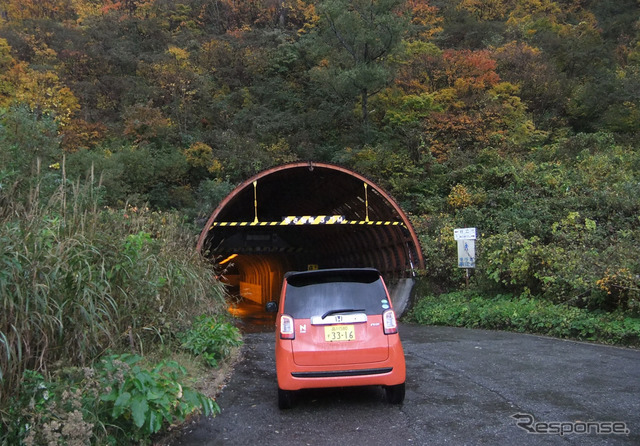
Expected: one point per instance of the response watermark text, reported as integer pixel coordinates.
(528, 423)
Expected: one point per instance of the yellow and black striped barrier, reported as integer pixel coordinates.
(306, 220)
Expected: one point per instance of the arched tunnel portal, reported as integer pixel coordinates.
(304, 216)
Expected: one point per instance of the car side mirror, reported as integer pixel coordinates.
(271, 307)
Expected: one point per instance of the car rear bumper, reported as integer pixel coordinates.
(291, 376)
(342, 373)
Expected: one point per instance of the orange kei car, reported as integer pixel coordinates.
(337, 328)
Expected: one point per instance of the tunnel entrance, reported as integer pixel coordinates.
(303, 216)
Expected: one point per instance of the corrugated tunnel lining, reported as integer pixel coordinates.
(374, 231)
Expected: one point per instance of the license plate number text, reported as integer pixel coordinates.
(334, 333)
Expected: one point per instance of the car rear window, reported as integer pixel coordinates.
(313, 294)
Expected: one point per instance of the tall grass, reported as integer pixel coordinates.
(78, 279)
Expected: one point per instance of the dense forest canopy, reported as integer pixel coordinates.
(519, 117)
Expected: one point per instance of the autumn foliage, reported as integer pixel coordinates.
(517, 117)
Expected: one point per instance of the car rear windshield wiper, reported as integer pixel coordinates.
(342, 310)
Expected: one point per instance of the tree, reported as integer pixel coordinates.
(28, 141)
(41, 90)
(130, 6)
(486, 9)
(45, 94)
(359, 37)
(7, 62)
(145, 124)
(178, 80)
(541, 84)
(80, 134)
(13, 10)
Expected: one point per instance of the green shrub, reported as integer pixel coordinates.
(439, 247)
(578, 265)
(526, 314)
(116, 402)
(560, 221)
(513, 260)
(138, 401)
(210, 339)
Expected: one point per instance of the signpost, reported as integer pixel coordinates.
(466, 238)
(465, 234)
(466, 254)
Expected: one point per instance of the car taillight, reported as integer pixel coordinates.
(389, 322)
(287, 327)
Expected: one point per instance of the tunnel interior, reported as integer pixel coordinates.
(306, 216)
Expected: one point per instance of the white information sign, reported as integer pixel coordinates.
(466, 253)
(464, 234)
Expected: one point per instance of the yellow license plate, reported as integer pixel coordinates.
(334, 333)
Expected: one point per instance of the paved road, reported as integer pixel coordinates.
(463, 386)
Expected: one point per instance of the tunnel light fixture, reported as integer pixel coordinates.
(228, 259)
